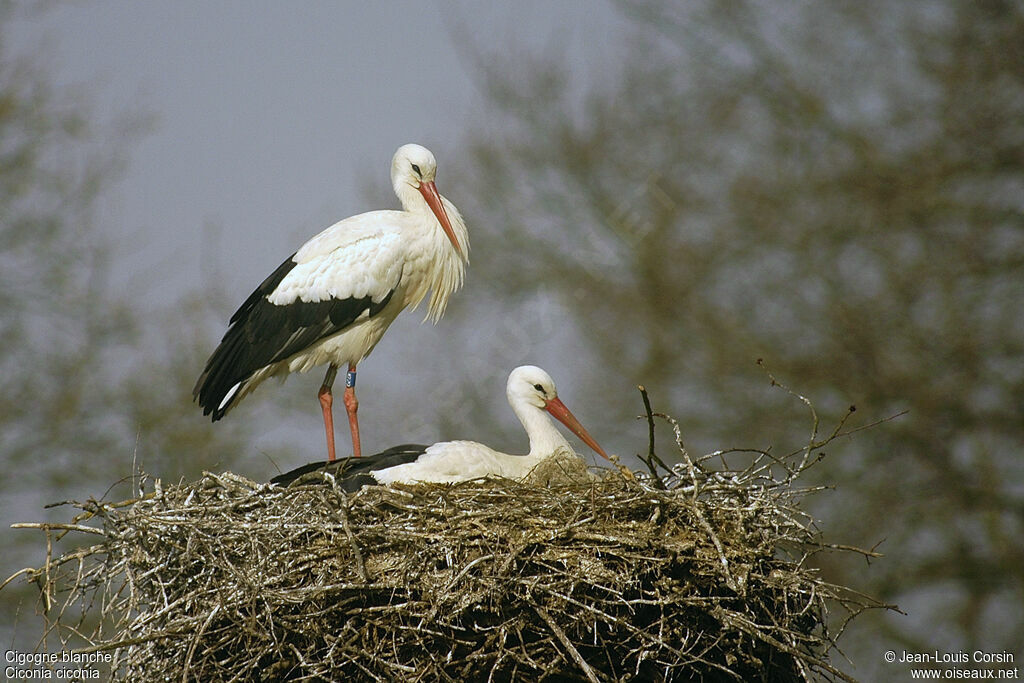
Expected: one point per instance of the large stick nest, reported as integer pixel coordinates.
(702, 573)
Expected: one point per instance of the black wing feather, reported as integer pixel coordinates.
(353, 473)
(262, 333)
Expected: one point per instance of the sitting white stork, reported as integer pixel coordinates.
(530, 392)
(334, 298)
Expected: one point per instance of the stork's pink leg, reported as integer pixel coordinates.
(352, 406)
(326, 401)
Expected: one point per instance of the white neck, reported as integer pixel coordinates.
(545, 438)
(445, 268)
(411, 199)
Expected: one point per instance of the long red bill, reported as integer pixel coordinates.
(430, 193)
(563, 415)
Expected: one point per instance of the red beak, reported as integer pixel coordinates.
(429, 192)
(563, 415)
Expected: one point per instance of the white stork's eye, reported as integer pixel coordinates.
(538, 388)
(417, 169)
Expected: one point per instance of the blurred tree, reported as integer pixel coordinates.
(837, 188)
(91, 386)
(80, 387)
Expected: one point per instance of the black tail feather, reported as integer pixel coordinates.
(352, 473)
(239, 354)
(226, 368)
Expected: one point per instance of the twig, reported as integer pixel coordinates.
(49, 526)
(567, 644)
(360, 564)
(652, 458)
(195, 642)
(465, 570)
(12, 577)
(811, 445)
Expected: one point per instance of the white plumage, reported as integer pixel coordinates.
(533, 397)
(331, 302)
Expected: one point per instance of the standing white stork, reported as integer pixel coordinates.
(531, 393)
(334, 298)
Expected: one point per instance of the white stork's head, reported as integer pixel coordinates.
(414, 166)
(529, 385)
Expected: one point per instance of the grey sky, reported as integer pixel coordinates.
(270, 118)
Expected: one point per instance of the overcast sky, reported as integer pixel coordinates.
(270, 117)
